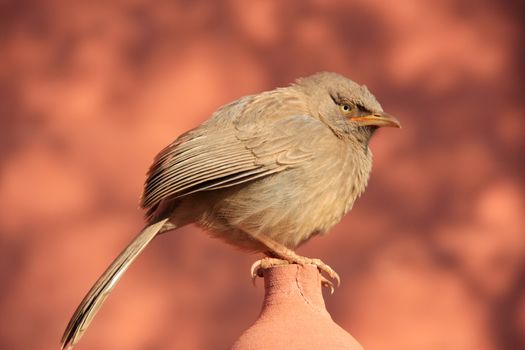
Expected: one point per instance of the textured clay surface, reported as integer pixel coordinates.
(294, 315)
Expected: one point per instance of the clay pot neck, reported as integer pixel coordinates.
(292, 285)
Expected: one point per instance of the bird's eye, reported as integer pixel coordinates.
(346, 108)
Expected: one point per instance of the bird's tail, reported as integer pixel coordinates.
(96, 296)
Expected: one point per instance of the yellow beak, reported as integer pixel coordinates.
(378, 119)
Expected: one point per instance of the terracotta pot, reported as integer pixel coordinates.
(294, 315)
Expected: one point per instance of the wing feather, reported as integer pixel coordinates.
(194, 180)
(193, 167)
(205, 160)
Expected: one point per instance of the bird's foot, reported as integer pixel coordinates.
(287, 256)
(268, 262)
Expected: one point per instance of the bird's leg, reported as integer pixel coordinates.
(280, 255)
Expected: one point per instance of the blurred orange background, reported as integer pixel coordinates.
(431, 257)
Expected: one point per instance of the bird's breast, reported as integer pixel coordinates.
(340, 181)
(292, 206)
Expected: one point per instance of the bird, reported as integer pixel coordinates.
(265, 173)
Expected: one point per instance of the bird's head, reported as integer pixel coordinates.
(348, 108)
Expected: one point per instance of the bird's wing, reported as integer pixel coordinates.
(201, 161)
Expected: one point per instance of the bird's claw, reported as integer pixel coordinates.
(325, 282)
(265, 263)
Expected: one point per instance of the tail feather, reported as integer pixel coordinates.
(96, 296)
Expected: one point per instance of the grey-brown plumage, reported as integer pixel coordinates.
(265, 173)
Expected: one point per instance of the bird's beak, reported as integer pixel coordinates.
(377, 119)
